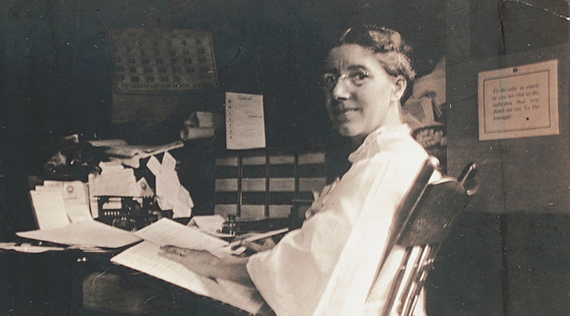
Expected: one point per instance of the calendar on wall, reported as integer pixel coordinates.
(159, 60)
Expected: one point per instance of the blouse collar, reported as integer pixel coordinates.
(378, 140)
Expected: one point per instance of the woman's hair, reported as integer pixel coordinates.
(395, 52)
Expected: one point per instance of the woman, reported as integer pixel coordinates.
(327, 267)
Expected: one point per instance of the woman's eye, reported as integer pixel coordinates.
(329, 80)
(358, 77)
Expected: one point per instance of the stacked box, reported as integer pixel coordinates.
(227, 185)
(264, 183)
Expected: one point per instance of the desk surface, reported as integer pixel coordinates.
(73, 282)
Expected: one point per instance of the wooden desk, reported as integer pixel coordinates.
(73, 282)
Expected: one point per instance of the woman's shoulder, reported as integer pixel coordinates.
(404, 154)
(403, 146)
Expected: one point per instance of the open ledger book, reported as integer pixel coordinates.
(144, 257)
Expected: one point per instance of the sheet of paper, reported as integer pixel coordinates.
(88, 234)
(169, 232)
(245, 125)
(28, 248)
(168, 162)
(183, 203)
(171, 195)
(210, 224)
(49, 208)
(154, 165)
(208, 119)
(130, 155)
(107, 143)
(144, 257)
(75, 199)
(120, 150)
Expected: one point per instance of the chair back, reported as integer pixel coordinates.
(424, 219)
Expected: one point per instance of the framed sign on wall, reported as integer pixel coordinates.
(519, 101)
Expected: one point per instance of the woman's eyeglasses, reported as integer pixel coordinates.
(355, 78)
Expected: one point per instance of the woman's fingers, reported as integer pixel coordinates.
(173, 253)
(255, 247)
(173, 250)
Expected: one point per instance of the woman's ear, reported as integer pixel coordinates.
(400, 84)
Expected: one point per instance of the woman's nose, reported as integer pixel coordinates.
(341, 90)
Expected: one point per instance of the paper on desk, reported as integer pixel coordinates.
(130, 155)
(75, 201)
(62, 211)
(210, 224)
(116, 180)
(120, 148)
(171, 195)
(168, 232)
(49, 209)
(183, 203)
(28, 248)
(86, 234)
(144, 257)
(245, 125)
(107, 143)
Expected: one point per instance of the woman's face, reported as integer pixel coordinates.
(360, 95)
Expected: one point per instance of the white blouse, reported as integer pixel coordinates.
(327, 267)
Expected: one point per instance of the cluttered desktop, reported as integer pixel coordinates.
(109, 204)
(132, 202)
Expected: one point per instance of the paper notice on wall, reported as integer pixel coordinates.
(519, 101)
(245, 126)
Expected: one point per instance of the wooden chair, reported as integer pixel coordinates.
(424, 219)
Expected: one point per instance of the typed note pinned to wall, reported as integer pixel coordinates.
(519, 101)
(245, 125)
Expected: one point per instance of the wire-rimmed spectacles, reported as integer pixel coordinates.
(355, 77)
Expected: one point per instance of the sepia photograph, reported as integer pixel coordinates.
(284, 157)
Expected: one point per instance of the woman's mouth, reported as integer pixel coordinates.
(344, 110)
(344, 115)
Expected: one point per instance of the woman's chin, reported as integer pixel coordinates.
(348, 131)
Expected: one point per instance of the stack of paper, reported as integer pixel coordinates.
(58, 203)
(84, 234)
(130, 155)
(144, 257)
(63, 216)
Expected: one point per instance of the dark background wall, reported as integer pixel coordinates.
(509, 255)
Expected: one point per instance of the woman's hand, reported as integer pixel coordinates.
(198, 261)
(207, 265)
(241, 246)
